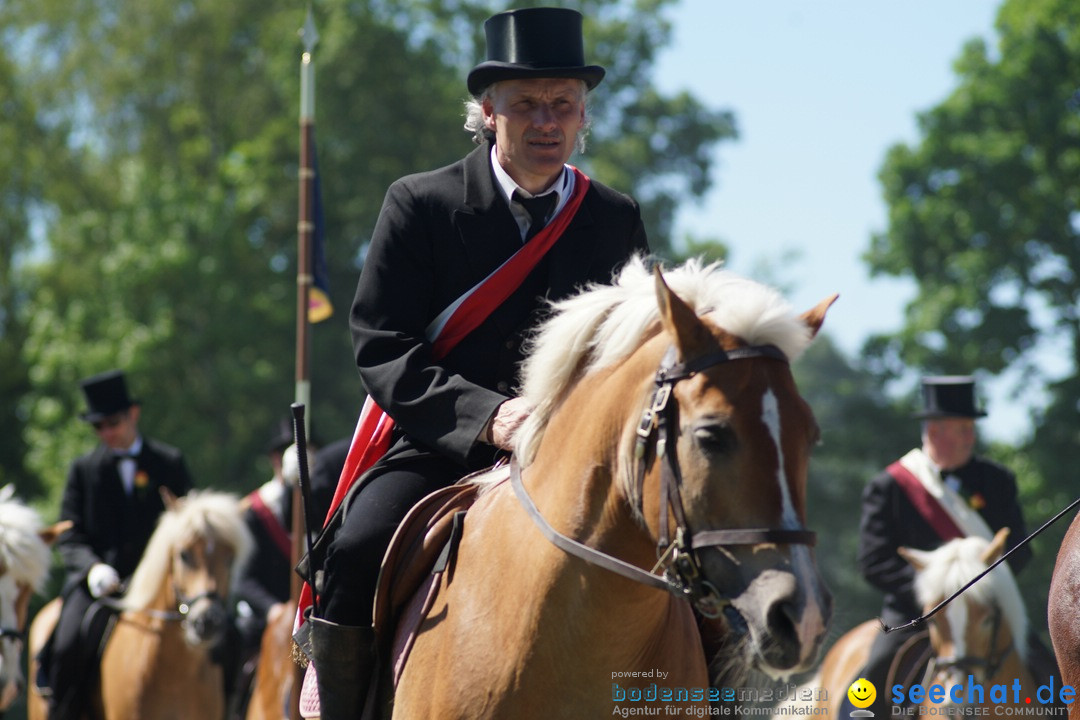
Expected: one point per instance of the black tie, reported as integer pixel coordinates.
(538, 209)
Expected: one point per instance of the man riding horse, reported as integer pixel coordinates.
(488, 239)
(113, 502)
(935, 493)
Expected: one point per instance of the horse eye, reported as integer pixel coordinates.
(716, 439)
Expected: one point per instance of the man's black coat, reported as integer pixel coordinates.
(439, 234)
(890, 520)
(108, 525)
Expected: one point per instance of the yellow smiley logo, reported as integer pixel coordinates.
(862, 693)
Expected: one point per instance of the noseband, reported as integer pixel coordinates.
(682, 570)
(180, 614)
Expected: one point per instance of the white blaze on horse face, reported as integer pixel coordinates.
(813, 618)
(958, 621)
(770, 414)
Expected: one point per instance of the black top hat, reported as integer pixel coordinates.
(282, 437)
(949, 396)
(106, 394)
(534, 43)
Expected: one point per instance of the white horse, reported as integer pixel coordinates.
(25, 558)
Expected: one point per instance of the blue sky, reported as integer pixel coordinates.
(820, 91)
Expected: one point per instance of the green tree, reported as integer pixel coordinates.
(984, 214)
(168, 248)
(983, 211)
(862, 430)
(27, 147)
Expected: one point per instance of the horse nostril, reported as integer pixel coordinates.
(207, 624)
(783, 652)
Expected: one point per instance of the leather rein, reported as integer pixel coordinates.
(180, 614)
(677, 557)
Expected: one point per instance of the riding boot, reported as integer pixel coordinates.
(344, 660)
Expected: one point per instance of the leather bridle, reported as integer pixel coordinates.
(677, 556)
(972, 663)
(180, 614)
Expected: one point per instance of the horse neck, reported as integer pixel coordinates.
(574, 480)
(574, 477)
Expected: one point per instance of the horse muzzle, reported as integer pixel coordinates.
(205, 620)
(781, 612)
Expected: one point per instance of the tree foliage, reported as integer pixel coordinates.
(862, 430)
(984, 214)
(154, 203)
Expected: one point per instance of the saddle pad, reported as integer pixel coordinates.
(412, 553)
(309, 694)
(407, 572)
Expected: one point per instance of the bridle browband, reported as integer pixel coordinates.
(677, 557)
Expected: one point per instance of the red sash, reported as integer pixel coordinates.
(371, 438)
(272, 524)
(927, 505)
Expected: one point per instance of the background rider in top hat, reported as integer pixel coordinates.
(438, 235)
(978, 495)
(113, 501)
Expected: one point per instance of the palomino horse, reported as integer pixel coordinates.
(666, 425)
(156, 662)
(24, 566)
(1063, 601)
(276, 672)
(982, 633)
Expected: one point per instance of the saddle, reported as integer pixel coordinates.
(910, 662)
(78, 655)
(420, 556)
(423, 549)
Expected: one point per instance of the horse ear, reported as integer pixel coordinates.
(996, 547)
(168, 497)
(50, 534)
(679, 320)
(915, 558)
(814, 317)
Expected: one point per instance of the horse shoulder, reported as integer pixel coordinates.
(844, 660)
(489, 614)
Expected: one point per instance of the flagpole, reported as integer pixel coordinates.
(306, 224)
(304, 277)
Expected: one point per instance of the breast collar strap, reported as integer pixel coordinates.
(575, 548)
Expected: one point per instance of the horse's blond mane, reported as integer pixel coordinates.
(954, 564)
(603, 324)
(22, 551)
(200, 513)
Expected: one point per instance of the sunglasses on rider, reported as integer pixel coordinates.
(108, 422)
